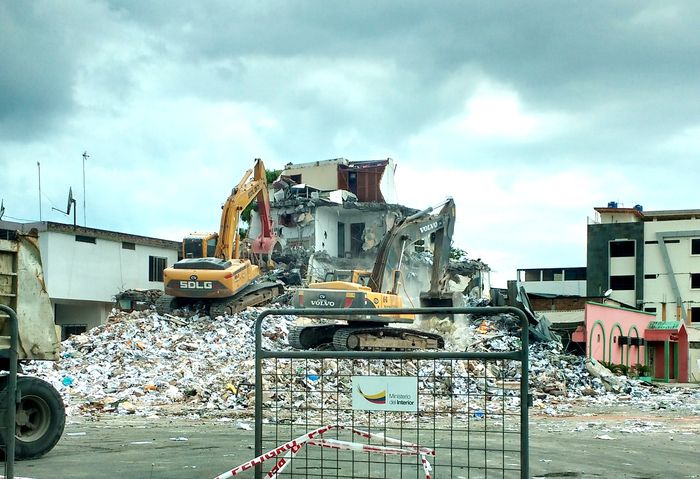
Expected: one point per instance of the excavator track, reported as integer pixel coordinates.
(166, 304)
(252, 295)
(350, 338)
(312, 337)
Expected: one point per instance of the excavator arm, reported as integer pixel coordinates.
(408, 231)
(243, 194)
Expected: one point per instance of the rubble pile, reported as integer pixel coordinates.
(140, 361)
(144, 363)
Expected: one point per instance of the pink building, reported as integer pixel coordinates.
(630, 337)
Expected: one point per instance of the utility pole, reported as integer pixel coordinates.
(85, 157)
(38, 165)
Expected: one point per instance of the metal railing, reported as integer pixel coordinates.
(470, 419)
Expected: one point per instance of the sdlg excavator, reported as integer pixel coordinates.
(212, 273)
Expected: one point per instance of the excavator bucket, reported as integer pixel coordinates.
(441, 300)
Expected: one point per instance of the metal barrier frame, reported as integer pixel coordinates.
(521, 356)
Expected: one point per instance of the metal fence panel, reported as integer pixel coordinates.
(468, 420)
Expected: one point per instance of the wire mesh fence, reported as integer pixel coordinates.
(391, 414)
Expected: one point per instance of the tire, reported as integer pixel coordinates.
(40, 418)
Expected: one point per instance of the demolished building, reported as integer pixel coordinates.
(340, 207)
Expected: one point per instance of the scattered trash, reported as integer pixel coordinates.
(244, 426)
(139, 363)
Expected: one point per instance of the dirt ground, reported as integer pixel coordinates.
(602, 442)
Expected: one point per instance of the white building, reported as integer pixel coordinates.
(651, 261)
(554, 281)
(84, 268)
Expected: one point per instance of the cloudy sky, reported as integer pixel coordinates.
(529, 114)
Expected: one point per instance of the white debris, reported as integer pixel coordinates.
(144, 364)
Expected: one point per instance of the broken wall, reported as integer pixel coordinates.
(294, 225)
(320, 174)
(387, 185)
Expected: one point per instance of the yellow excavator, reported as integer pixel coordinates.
(212, 273)
(380, 289)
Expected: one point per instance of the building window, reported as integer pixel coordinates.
(288, 220)
(8, 235)
(694, 280)
(352, 181)
(622, 283)
(552, 275)
(575, 274)
(651, 242)
(651, 276)
(695, 246)
(85, 239)
(156, 265)
(532, 275)
(622, 249)
(695, 315)
(71, 330)
(128, 245)
(672, 241)
(649, 310)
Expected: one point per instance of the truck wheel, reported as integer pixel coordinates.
(40, 418)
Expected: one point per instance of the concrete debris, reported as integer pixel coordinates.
(137, 299)
(140, 363)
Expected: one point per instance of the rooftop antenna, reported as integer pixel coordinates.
(71, 203)
(85, 157)
(38, 165)
(2, 208)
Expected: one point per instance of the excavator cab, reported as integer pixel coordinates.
(199, 245)
(357, 276)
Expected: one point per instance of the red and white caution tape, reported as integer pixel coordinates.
(314, 438)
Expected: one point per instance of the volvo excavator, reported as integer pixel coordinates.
(212, 273)
(382, 290)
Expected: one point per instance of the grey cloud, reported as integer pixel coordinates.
(623, 62)
(38, 71)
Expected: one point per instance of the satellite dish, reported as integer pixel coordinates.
(2, 208)
(608, 293)
(71, 201)
(71, 204)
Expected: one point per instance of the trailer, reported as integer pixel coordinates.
(39, 411)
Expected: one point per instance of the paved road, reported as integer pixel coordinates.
(615, 444)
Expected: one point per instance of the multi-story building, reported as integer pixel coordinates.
(337, 206)
(649, 260)
(85, 268)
